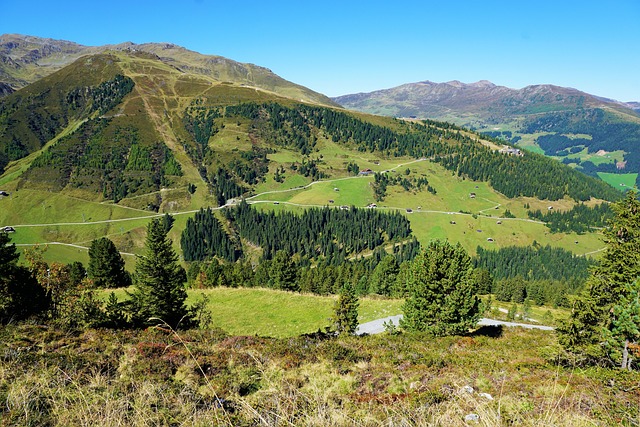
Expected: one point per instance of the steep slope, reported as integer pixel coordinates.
(594, 134)
(25, 59)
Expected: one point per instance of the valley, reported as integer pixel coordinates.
(193, 240)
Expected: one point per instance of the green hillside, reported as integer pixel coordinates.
(102, 145)
(594, 135)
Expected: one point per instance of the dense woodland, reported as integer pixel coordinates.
(579, 219)
(328, 233)
(533, 263)
(542, 274)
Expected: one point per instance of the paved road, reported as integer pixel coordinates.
(377, 326)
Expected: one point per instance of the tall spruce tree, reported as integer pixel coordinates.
(598, 318)
(20, 294)
(106, 266)
(160, 292)
(345, 311)
(283, 272)
(441, 297)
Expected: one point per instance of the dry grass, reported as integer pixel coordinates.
(198, 378)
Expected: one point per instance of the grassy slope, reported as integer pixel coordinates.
(163, 92)
(273, 313)
(621, 181)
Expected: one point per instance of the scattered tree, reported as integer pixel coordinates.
(160, 292)
(345, 311)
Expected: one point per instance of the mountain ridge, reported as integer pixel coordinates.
(484, 92)
(26, 59)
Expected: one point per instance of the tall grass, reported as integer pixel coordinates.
(198, 378)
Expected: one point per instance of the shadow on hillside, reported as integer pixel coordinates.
(492, 331)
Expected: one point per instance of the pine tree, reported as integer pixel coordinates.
(106, 266)
(283, 272)
(624, 331)
(345, 311)
(160, 292)
(601, 314)
(441, 297)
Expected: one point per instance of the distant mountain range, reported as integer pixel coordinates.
(477, 103)
(598, 136)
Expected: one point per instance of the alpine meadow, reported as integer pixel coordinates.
(190, 240)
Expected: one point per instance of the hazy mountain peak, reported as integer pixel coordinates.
(482, 84)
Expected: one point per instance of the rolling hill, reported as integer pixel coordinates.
(596, 135)
(120, 135)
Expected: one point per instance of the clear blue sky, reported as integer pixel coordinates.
(341, 47)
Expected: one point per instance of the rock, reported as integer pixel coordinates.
(467, 389)
(472, 418)
(486, 396)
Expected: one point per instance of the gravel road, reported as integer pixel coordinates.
(377, 326)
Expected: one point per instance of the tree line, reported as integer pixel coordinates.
(329, 233)
(579, 219)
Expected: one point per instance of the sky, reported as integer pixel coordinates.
(344, 47)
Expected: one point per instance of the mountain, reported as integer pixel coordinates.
(597, 135)
(117, 135)
(26, 59)
(474, 103)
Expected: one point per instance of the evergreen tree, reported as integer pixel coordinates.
(483, 280)
(441, 297)
(283, 272)
(345, 311)
(620, 263)
(601, 314)
(77, 272)
(106, 266)
(624, 332)
(383, 278)
(20, 294)
(160, 292)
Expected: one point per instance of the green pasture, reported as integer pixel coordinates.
(476, 231)
(43, 217)
(268, 312)
(622, 181)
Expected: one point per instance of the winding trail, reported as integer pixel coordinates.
(251, 200)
